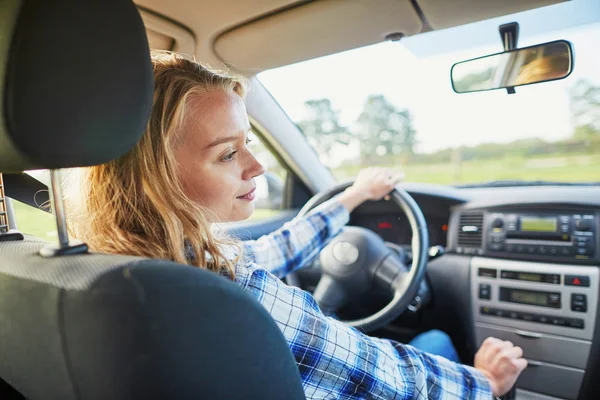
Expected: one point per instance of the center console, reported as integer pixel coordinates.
(534, 280)
(548, 310)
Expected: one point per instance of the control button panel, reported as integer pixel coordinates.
(584, 245)
(578, 302)
(576, 323)
(550, 298)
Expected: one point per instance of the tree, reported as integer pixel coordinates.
(384, 130)
(475, 81)
(322, 127)
(585, 108)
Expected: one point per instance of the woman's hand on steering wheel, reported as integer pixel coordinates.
(371, 184)
(358, 259)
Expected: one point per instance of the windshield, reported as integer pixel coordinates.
(392, 104)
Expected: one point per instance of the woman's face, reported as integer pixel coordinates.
(217, 168)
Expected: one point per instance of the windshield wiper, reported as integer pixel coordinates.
(516, 183)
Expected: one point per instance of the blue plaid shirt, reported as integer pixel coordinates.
(336, 361)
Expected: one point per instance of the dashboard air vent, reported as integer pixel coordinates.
(470, 230)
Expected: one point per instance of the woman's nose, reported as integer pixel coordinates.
(254, 168)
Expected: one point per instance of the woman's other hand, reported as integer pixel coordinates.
(370, 184)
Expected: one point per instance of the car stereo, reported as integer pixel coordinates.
(564, 235)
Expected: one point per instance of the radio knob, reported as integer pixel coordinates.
(583, 224)
(498, 223)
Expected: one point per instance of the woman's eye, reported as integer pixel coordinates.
(248, 141)
(229, 157)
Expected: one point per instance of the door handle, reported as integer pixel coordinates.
(531, 363)
(528, 335)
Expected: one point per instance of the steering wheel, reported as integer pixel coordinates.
(358, 259)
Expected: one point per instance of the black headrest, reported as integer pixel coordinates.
(76, 82)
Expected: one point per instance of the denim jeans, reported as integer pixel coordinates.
(436, 342)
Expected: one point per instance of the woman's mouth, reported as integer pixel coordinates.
(248, 196)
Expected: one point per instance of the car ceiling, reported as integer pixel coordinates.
(255, 35)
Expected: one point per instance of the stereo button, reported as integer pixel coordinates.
(576, 323)
(565, 251)
(584, 251)
(583, 240)
(583, 224)
(513, 315)
(498, 313)
(554, 300)
(485, 291)
(577, 280)
(527, 317)
(578, 302)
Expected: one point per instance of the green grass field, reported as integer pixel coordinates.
(572, 168)
(35, 221)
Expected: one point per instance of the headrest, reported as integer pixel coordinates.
(76, 82)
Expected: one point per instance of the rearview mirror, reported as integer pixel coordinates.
(540, 63)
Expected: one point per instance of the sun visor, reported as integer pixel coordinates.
(313, 30)
(445, 14)
(166, 35)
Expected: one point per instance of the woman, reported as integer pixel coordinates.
(192, 169)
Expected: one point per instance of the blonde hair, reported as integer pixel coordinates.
(136, 204)
(542, 69)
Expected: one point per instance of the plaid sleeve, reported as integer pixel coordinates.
(339, 362)
(298, 242)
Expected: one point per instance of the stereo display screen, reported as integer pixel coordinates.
(528, 297)
(531, 297)
(539, 224)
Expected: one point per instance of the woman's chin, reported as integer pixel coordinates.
(243, 213)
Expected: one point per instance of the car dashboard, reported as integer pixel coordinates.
(521, 265)
(387, 220)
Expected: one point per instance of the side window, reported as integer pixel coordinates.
(34, 221)
(270, 187)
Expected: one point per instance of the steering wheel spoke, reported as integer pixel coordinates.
(330, 294)
(390, 274)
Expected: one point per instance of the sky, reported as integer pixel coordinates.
(415, 74)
